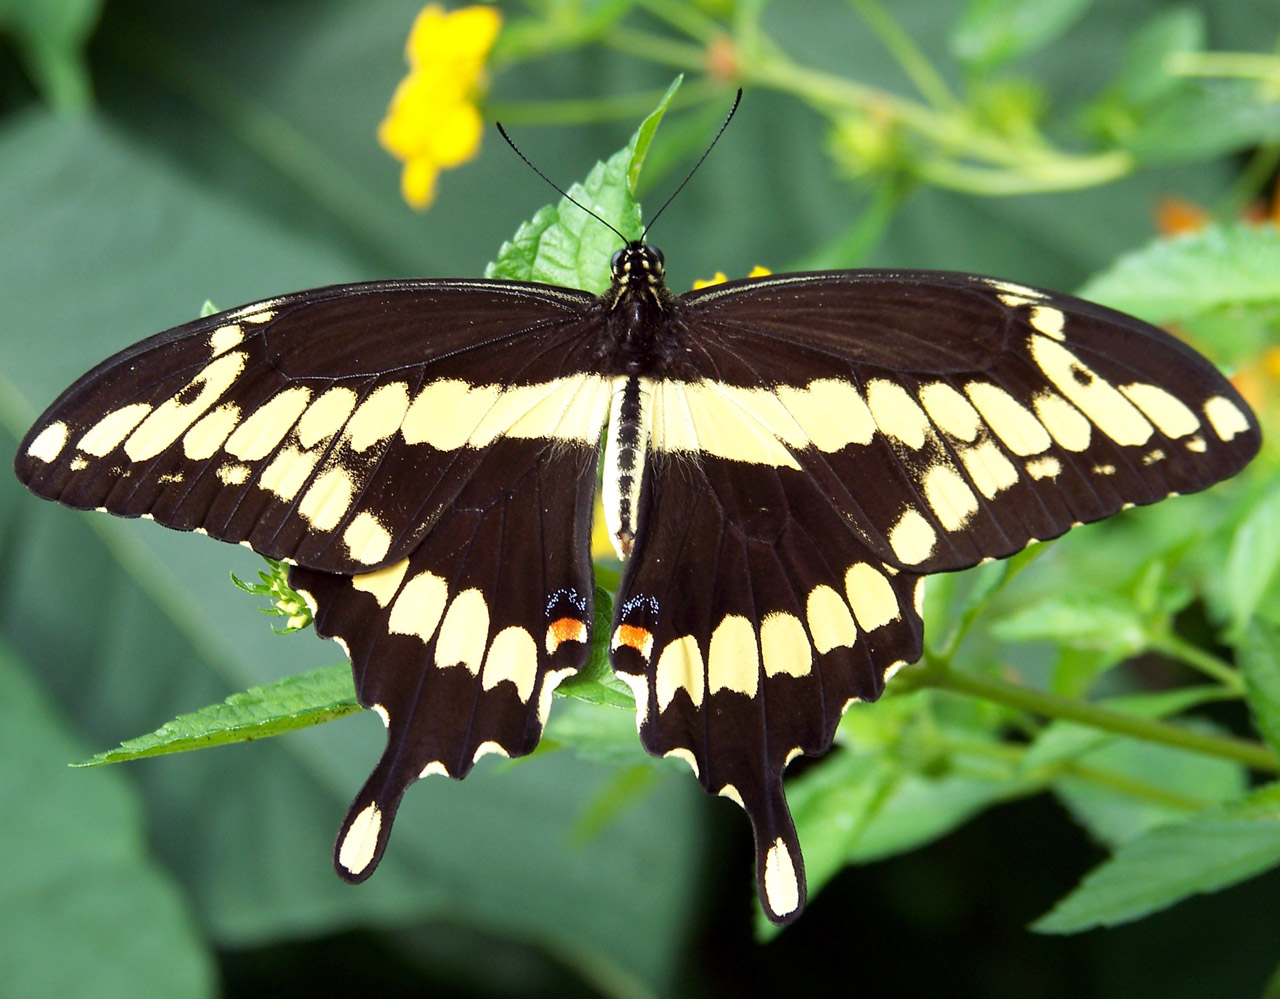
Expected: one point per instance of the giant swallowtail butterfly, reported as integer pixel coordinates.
(785, 460)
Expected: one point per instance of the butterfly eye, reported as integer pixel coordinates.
(615, 262)
(658, 257)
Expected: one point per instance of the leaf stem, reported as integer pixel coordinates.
(937, 676)
(1210, 665)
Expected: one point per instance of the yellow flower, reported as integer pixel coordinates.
(756, 271)
(433, 122)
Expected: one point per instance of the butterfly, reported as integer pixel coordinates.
(782, 462)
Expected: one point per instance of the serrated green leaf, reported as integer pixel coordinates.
(643, 138)
(1214, 849)
(992, 32)
(295, 702)
(564, 245)
(1222, 266)
(1259, 654)
(1079, 622)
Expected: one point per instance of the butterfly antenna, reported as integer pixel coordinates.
(728, 118)
(554, 186)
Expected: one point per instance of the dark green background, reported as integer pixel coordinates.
(231, 155)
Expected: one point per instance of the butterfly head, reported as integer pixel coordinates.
(638, 269)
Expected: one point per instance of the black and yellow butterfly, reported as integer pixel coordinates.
(785, 459)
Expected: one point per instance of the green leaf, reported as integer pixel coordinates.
(51, 36)
(1222, 266)
(1259, 655)
(1082, 622)
(1126, 787)
(564, 245)
(92, 912)
(1214, 849)
(992, 32)
(1253, 561)
(295, 702)
(1143, 77)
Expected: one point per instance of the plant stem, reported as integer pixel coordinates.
(1194, 656)
(900, 45)
(940, 677)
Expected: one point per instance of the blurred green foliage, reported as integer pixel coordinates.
(190, 151)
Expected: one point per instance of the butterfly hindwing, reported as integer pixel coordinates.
(294, 424)
(459, 646)
(750, 617)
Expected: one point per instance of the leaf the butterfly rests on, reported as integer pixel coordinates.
(785, 460)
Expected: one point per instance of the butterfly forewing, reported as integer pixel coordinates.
(297, 424)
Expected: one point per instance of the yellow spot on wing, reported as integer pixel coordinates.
(361, 840)
(512, 656)
(1012, 422)
(224, 338)
(896, 413)
(951, 412)
(784, 646)
(379, 416)
(233, 475)
(683, 754)
(733, 661)
(871, 596)
(105, 435)
(264, 428)
(679, 667)
(830, 413)
(204, 439)
(781, 887)
(288, 472)
(325, 416)
(912, 538)
(1048, 320)
(1047, 467)
(383, 584)
(463, 632)
(366, 539)
(830, 622)
(949, 496)
(49, 442)
(418, 608)
(327, 499)
(1171, 415)
(1066, 424)
(1225, 417)
(988, 467)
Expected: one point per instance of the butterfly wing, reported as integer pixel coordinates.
(294, 424)
(424, 452)
(459, 646)
(834, 438)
